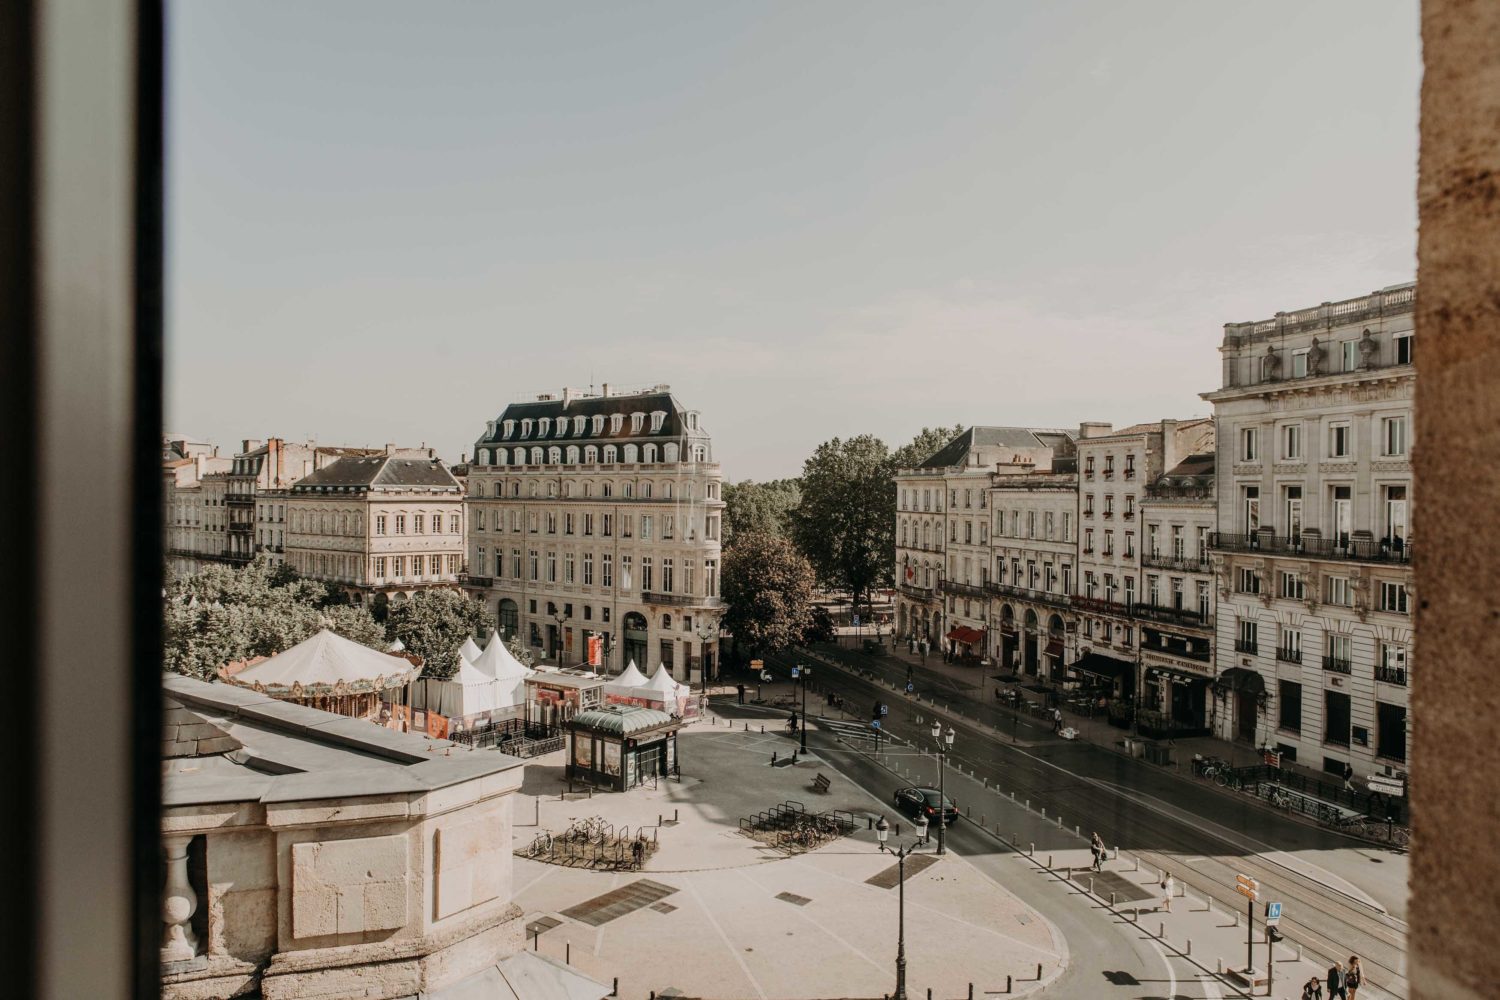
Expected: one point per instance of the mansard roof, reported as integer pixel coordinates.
(955, 451)
(674, 425)
(379, 470)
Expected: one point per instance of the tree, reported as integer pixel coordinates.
(768, 586)
(762, 508)
(222, 614)
(924, 446)
(434, 623)
(846, 522)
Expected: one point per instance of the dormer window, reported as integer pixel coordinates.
(637, 421)
(615, 422)
(510, 427)
(543, 425)
(578, 426)
(598, 424)
(658, 417)
(692, 421)
(562, 427)
(526, 428)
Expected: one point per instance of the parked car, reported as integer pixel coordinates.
(924, 802)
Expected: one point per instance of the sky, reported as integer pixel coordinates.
(388, 220)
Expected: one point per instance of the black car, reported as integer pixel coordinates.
(924, 802)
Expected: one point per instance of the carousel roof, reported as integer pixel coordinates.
(498, 662)
(621, 720)
(326, 664)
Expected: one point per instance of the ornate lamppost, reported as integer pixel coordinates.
(944, 744)
(882, 834)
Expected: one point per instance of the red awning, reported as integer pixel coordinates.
(967, 636)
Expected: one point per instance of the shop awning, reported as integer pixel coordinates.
(967, 636)
(1055, 647)
(1242, 679)
(1103, 666)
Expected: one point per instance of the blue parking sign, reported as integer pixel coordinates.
(856, 621)
(1273, 912)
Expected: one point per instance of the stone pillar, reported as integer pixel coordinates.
(179, 903)
(1454, 696)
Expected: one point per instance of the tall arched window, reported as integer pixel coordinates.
(501, 456)
(497, 489)
(648, 454)
(666, 491)
(591, 455)
(669, 452)
(646, 490)
(484, 456)
(572, 458)
(554, 455)
(536, 456)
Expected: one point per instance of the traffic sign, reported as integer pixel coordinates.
(1247, 886)
(795, 672)
(885, 709)
(1273, 913)
(856, 621)
(874, 723)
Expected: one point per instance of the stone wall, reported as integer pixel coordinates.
(1455, 786)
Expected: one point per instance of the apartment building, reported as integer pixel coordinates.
(1034, 529)
(1114, 468)
(944, 541)
(597, 516)
(1175, 614)
(1313, 554)
(190, 511)
(381, 527)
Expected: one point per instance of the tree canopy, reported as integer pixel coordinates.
(845, 524)
(434, 623)
(760, 508)
(768, 586)
(222, 614)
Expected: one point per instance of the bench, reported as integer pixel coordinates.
(821, 784)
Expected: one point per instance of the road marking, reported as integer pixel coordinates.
(708, 913)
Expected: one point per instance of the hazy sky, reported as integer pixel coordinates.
(813, 220)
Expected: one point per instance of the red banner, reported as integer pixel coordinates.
(596, 651)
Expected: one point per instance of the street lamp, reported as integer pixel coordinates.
(882, 834)
(944, 744)
(559, 617)
(806, 672)
(707, 629)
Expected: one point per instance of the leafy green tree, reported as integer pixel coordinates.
(760, 508)
(768, 586)
(222, 614)
(924, 446)
(434, 623)
(846, 522)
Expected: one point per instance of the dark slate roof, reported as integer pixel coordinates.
(1201, 464)
(588, 406)
(379, 470)
(954, 451)
(621, 720)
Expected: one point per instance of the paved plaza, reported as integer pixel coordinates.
(715, 913)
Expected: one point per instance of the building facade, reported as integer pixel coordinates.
(1114, 468)
(191, 514)
(379, 526)
(1034, 530)
(1312, 557)
(597, 515)
(1176, 612)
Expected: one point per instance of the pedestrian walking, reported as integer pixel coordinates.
(1355, 977)
(1168, 890)
(1337, 982)
(1097, 847)
(1312, 989)
(742, 693)
(1057, 720)
(1348, 776)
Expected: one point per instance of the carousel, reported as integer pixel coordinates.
(328, 672)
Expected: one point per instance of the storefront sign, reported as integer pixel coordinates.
(1192, 667)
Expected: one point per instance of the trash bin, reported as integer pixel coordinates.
(1134, 747)
(1159, 753)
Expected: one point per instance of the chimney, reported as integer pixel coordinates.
(567, 396)
(1169, 455)
(272, 467)
(390, 448)
(1094, 428)
(249, 444)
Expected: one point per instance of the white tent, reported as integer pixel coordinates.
(508, 673)
(627, 683)
(663, 688)
(326, 663)
(469, 650)
(468, 692)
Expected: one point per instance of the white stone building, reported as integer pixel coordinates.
(1034, 551)
(944, 533)
(1314, 545)
(1114, 467)
(1175, 614)
(598, 516)
(191, 539)
(380, 526)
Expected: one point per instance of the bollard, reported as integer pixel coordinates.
(1111, 901)
(1028, 805)
(1044, 812)
(1039, 972)
(1031, 851)
(1299, 951)
(1091, 885)
(1077, 830)
(1135, 864)
(1060, 823)
(1007, 984)
(773, 758)
(1161, 931)
(538, 804)
(1189, 949)
(568, 953)
(616, 991)
(971, 991)
(591, 791)
(929, 993)
(674, 815)
(982, 820)
(1049, 862)
(535, 937)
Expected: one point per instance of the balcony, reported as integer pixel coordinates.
(1101, 606)
(914, 592)
(1288, 655)
(470, 580)
(1391, 675)
(1337, 665)
(1056, 600)
(1309, 545)
(1175, 616)
(1246, 646)
(677, 600)
(962, 589)
(1129, 473)
(1182, 564)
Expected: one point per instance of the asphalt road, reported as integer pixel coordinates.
(1339, 897)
